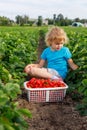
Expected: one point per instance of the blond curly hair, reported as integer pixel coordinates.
(57, 35)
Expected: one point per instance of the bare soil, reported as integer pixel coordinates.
(53, 116)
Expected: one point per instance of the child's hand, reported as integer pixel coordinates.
(27, 69)
(72, 65)
(33, 65)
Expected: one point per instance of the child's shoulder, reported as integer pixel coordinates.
(47, 49)
(65, 48)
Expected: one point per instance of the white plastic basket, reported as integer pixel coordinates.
(45, 94)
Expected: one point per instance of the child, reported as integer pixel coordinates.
(57, 56)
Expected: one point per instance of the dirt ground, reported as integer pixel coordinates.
(53, 116)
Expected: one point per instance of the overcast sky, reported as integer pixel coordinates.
(45, 8)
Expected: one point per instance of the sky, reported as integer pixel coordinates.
(45, 8)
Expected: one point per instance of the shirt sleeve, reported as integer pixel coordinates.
(43, 55)
(68, 54)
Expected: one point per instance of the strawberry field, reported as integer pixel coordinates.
(18, 47)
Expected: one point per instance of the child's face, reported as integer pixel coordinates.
(56, 46)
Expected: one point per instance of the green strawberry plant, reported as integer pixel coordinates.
(11, 117)
(77, 80)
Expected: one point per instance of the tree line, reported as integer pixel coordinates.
(59, 20)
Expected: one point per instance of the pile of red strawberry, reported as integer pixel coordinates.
(44, 83)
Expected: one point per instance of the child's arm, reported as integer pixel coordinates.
(39, 65)
(72, 64)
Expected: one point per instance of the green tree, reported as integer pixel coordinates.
(4, 21)
(21, 20)
(60, 17)
(40, 21)
(26, 19)
(77, 20)
(54, 18)
(60, 20)
(18, 19)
